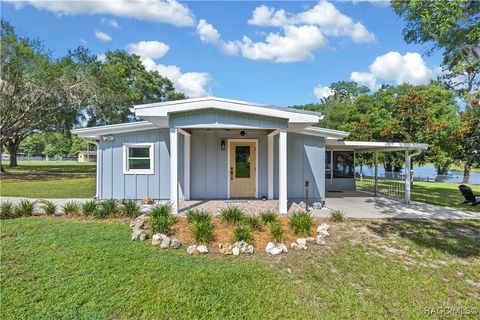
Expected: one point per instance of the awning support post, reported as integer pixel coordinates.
(375, 189)
(408, 176)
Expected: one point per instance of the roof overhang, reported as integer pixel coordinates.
(164, 109)
(365, 146)
(324, 132)
(97, 132)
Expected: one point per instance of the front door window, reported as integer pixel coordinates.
(242, 162)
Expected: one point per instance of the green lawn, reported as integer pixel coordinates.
(74, 269)
(49, 187)
(443, 194)
(51, 167)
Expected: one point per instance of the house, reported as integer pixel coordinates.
(213, 148)
(86, 156)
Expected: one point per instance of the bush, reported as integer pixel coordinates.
(301, 223)
(337, 216)
(203, 231)
(7, 210)
(242, 233)
(232, 215)
(108, 208)
(268, 216)
(25, 208)
(89, 208)
(130, 208)
(162, 218)
(198, 216)
(277, 232)
(253, 222)
(71, 208)
(49, 207)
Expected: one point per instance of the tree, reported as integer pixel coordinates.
(33, 145)
(37, 92)
(452, 27)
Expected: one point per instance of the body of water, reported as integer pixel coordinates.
(422, 173)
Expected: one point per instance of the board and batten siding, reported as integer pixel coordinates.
(114, 184)
(225, 119)
(305, 161)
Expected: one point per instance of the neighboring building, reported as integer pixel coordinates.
(86, 156)
(212, 148)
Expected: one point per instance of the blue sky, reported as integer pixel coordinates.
(280, 53)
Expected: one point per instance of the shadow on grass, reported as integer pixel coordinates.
(457, 237)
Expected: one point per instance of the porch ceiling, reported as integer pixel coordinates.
(367, 146)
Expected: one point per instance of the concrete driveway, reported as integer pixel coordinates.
(358, 204)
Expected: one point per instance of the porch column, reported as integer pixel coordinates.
(186, 165)
(270, 163)
(375, 159)
(282, 171)
(174, 169)
(407, 177)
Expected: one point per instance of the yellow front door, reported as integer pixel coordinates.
(242, 169)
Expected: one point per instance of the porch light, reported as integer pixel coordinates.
(242, 133)
(222, 145)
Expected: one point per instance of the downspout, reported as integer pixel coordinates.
(408, 165)
(97, 176)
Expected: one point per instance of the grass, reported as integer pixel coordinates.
(162, 218)
(49, 187)
(301, 223)
(438, 193)
(337, 216)
(74, 269)
(51, 167)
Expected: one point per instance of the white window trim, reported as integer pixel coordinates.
(138, 171)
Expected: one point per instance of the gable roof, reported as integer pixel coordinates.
(163, 109)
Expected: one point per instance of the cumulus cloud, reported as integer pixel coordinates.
(111, 22)
(323, 15)
(322, 92)
(102, 36)
(163, 11)
(208, 34)
(193, 84)
(393, 67)
(297, 44)
(148, 49)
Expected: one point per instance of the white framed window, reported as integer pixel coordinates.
(138, 158)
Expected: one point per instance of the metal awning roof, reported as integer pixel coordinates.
(365, 146)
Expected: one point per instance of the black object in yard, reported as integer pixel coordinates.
(306, 194)
(468, 195)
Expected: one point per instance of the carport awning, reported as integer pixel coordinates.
(366, 146)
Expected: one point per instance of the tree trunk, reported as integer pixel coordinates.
(2, 170)
(12, 147)
(466, 172)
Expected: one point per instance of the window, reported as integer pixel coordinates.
(242, 162)
(328, 164)
(138, 158)
(343, 164)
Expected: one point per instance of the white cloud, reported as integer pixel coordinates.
(193, 84)
(393, 67)
(112, 23)
(322, 92)
(163, 11)
(325, 15)
(297, 44)
(148, 49)
(365, 78)
(208, 34)
(376, 3)
(102, 36)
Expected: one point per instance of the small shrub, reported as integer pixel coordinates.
(242, 233)
(108, 208)
(232, 215)
(253, 222)
(25, 208)
(203, 231)
(268, 216)
(162, 218)
(49, 207)
(71, 208)
(7, 210)
(337, 216)
(301, 223)
(198, 216)
(277, 232)
(89, 208)
(130, 208)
